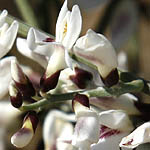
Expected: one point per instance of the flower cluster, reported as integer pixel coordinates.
(72, 65)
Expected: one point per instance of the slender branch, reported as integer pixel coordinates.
(121, 88)
(50, 99)
(23, 27)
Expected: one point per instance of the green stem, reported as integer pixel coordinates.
(27, 12)
(55, 98)
(23, 27)
(121, 88)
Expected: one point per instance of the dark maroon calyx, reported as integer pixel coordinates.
(111, 79)
(16, 101)
(27, 89)
(49, 83)
(48, 40)
(32, 115)
(81, 77)
(82, 99)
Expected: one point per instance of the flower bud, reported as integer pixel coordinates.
(81, 77)
(15, 95)
(96, 49)
(21, 80)
(87, 126)
(55, 65)
(79, 103)
(25, 134)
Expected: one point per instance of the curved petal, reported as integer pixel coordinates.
(56, 125)
(24, 49)
(57, 60)
(3, 17)
(61, 16)
(5, 75)
(73, 27)
(124, 102)
(9, 36)
(109, 143)
(116, 119)
(139, 136)
(35, 43)
(96, 49)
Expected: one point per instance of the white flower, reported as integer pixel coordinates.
(68, 26)
(7, 38)
(7, 34)
(96, 49)
(34, 47)
(87, 126)
(139, 136)
(124, 102)
(114, 125)
(57, 130)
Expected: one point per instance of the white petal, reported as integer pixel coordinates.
(3, 51)
(3, 17)
(96, 49)
(73, 27)
(5, 75)
(124, 102)
(39, 36)
(110, 143)
(24, 49)
(8, 38)
(8, 112)
(55, 126)
(31, 39)
(86, 130)
(138, 136)
(22, 138)
(116, 119)
(57, 60)
(61, 16)
(35, 43)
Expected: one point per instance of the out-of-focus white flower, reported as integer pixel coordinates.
(96, 49)
(7, 34)
(9, 114)
(87, 126)
(57, 130)
(25, 134)
(68, 26)
(124, 102)
(114, 125)
(139, 136)
(7, 38)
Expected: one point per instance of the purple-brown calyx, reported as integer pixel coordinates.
(16, 101)
(49, 83)
(49, 40)
(111, 79)
(82, 99)
(33, 118)
(27, 89)
(81, 77)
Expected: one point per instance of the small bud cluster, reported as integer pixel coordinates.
(21, 87)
